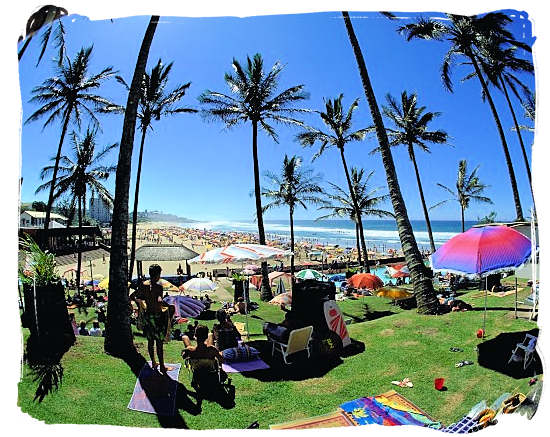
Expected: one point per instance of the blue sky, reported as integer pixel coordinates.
(199, 170)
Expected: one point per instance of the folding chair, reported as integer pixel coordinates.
(524, 351)
(298, 340)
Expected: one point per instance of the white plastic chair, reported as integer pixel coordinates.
(524, 351)
(298, 340)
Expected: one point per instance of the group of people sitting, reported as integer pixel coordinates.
(81, 329)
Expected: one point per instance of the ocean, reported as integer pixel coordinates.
(379, 234)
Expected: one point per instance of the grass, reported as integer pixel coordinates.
(97, 388)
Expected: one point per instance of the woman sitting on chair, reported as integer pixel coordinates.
(225, 334)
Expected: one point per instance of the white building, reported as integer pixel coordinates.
(99, 210)
(35, 219)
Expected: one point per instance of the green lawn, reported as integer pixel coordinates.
(96, 388)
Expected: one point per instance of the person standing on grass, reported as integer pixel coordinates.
(155, 320)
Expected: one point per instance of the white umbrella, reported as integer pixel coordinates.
(236, 253)
(199, 284)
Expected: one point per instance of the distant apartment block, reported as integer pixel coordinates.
(99, 210)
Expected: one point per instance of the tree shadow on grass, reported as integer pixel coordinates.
(494, 354)
(300, 367)
(136, 362)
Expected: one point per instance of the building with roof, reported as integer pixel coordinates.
(99, 210)
(35, 219)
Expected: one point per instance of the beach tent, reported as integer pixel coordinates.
(480, 252)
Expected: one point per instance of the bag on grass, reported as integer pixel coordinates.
(240, 353)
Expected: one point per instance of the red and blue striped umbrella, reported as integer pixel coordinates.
(482, 251)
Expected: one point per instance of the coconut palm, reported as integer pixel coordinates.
(466, 36)
(501, 65)
(411, 129)
(155, 102)
(529, 112)
(468, 189)
(421, 278)
(255, 98)
(294, 187)
(78, 174)
(118, 333)
(67, 96)
(339, 135)
(49, 16)
(340, 203)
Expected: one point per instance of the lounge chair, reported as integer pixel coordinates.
(298, 340)
(524, 351)
(207, 376)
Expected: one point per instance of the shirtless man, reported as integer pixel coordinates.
(155, 322)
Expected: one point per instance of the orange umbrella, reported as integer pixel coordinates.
(365, 280)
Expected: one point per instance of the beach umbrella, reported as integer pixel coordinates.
(92, 282)
(252, 267)
(185, 306)
(199, 284)
(283, 298)
(236, 253)
(104, 284)
(310, 274)
(248, 272)
(281, 287)
(365, 280)
(339, 277)
(480, 252)
(393, 293)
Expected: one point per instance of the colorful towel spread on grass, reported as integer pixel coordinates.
(330, 420)
(468, 422)
(244, 366)
(388, 409)
(156, 393)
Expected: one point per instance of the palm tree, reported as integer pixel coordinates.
(500, 65)
(118, 333)
(529, 112)
(411, 129)
(341, 205)
(78, 175)
(254, 99)
(421, 278)
(294, 187)
(155, 102)
(67, 96)
(341, 133)
(466, 35)
(46, 16)
(468, 189)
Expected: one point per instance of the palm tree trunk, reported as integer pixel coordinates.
(518, 131)
(134, 214)
(511, 174)
(462, 216)
(67, 117)
(420, 276)
(357, 212)
(20, 54)
(265, 293)
(357, 244)
(292, 247)
(118, 335)
(79, 248)
(421, 191)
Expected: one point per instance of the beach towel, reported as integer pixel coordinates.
(330, 420)
(245, 366)
(155, 393)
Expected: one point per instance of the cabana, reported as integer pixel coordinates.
(163, 252)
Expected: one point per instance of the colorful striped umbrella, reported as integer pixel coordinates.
(365, 280)
(283, 298)
(236, 253)
(483, 251)
(311, 274)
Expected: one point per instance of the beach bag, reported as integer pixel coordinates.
(240, 353)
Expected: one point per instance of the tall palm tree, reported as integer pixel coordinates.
(529, 108)
(340, 203)
(500, 65)
(67, 96)
(294, 187)
(411, 129)
(421, 278)
(79, 174)
(118, 333)
(155, 102)
(49, 16)
(468, 189)
(466, 34)
(254, 98)
(340, 134)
